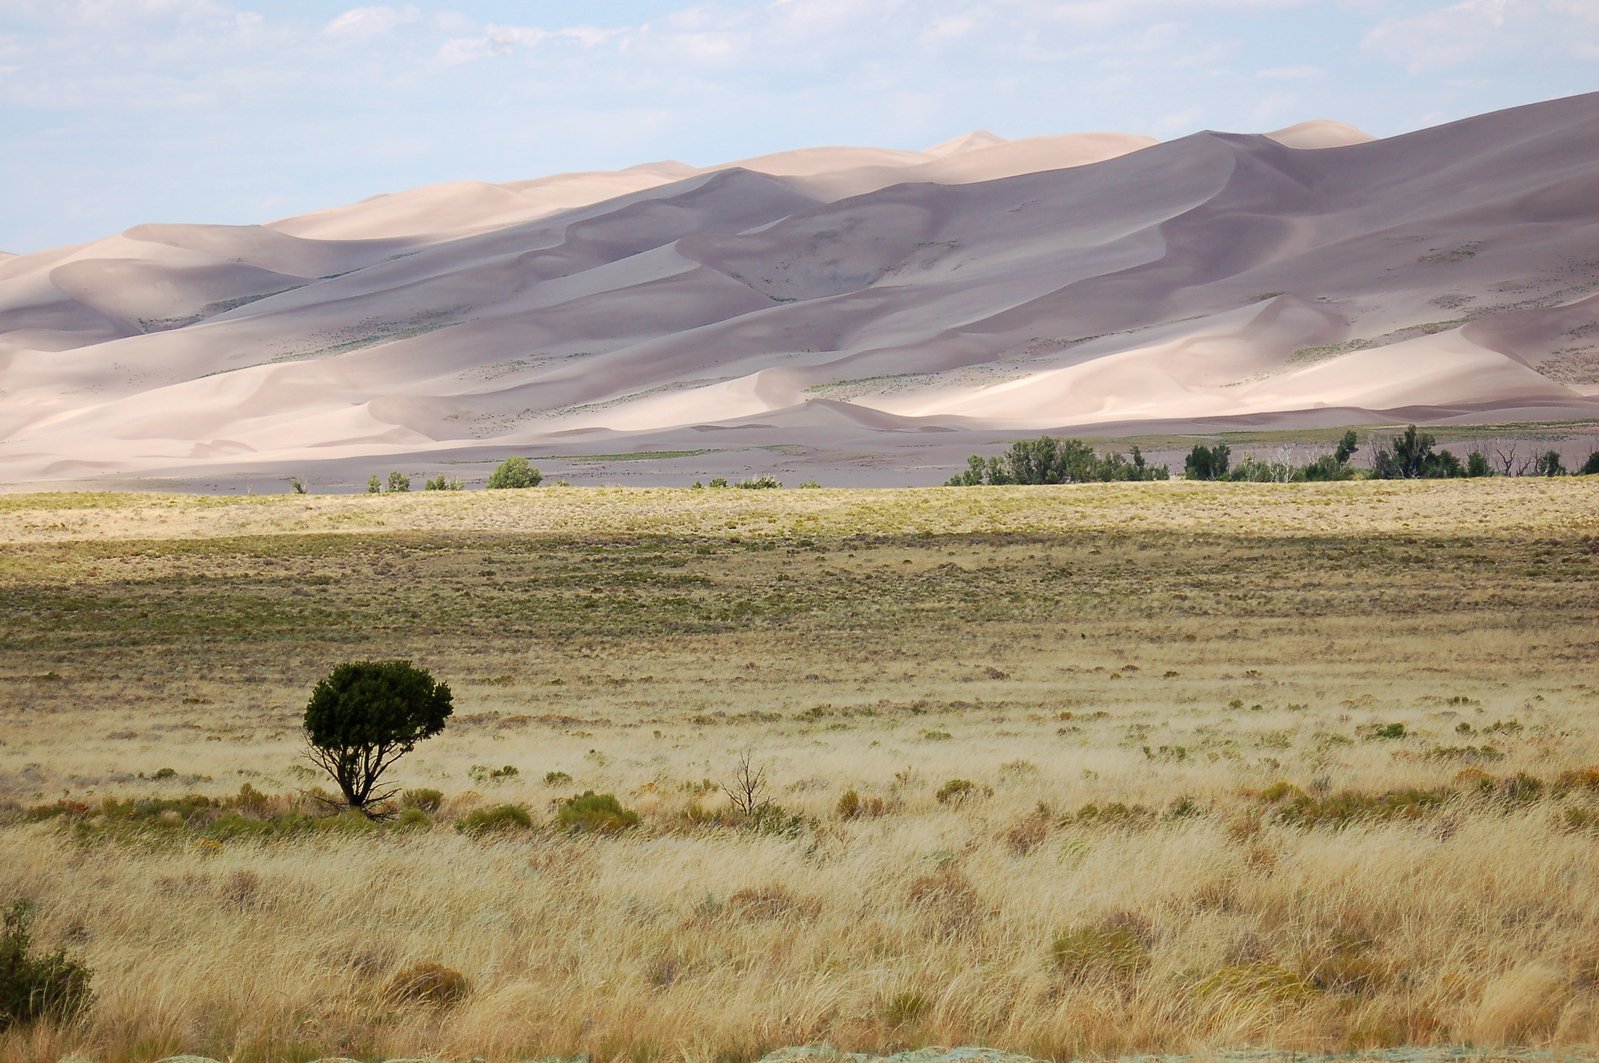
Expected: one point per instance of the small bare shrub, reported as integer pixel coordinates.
(765, 902)
(748, 787)
(428, 983)
(947, 896)
(1344, 963)
(1028, 834)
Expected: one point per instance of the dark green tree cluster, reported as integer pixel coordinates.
(1047, 460)
(1207, 463)
(1335, 466)
(1410, 455)
(1413, 455)
(1548, 464)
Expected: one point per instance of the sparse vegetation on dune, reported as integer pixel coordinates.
(1084, 770)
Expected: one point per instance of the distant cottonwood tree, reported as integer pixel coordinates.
(1549, 464)
(1410, 456)
(1207, 463)
(1047, 460)
(364, 716)
(514, 472)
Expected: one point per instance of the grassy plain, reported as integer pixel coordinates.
(1124, 673)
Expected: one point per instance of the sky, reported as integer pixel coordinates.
(119, 112)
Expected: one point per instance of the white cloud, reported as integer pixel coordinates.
(1114, 12)
(718, 47)
(1175, 123)
(1274, 110)
(103, 13)
(1485, 29)
(374, 21)
(1292, 73)
(1586, 10)
(822, 18)
(955, 27)
(709, 80)
(497, 40)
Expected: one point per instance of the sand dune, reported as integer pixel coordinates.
(857, 301)
(1319, 133)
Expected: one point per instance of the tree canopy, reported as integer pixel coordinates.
(1047, 460)
(514, 472)
(365, 715)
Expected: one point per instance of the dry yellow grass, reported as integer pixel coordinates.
(1122, 672)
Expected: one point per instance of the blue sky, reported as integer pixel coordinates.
(116, 112)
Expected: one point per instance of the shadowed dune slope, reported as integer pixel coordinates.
(848, 294)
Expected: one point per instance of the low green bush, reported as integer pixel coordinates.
(411, 819)
(902, 1009)
(350, 821)
(956, 791)
(1350, 806)
(1467, 753)
(1099, 949)
(1266, 982)
(482, 773)
(495, 820)
(774, 819)
(423, 799)
(1114, 814)
(592, 813)
(36, 987)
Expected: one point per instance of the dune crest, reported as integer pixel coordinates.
(1320, 133)
(847, 298)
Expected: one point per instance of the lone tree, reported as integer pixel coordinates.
(366, 715)
(514, 472)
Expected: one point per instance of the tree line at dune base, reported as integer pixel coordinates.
(1410, 455)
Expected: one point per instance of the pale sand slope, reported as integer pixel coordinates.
(460, 208)
(891, 309)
